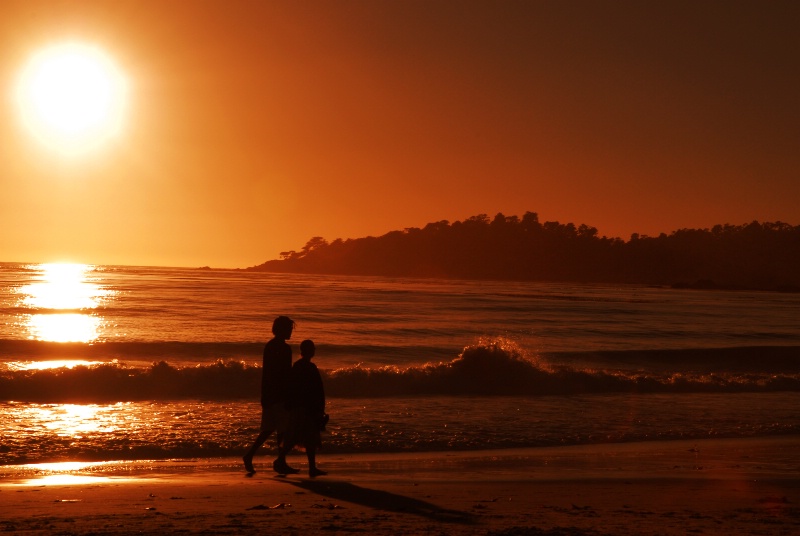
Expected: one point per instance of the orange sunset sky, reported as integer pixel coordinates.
(251, 126)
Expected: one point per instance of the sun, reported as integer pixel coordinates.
(72, 97)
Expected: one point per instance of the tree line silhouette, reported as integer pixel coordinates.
(763, 256)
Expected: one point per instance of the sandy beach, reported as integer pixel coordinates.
(721, 486)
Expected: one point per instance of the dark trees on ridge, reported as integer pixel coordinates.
(755, 255)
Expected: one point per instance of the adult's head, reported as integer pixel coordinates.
(282, 327)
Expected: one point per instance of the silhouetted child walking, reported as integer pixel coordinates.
(306, 408)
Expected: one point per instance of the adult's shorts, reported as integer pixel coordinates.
(274, 418)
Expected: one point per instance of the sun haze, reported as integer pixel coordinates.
(71, 97)
(251, 127)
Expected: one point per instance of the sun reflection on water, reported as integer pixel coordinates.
(68, 327)
(62, 292)
(74, 420)
(53, 364)
(62, 286)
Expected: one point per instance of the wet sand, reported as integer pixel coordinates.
(720, 486)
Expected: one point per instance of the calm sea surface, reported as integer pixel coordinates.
(126, 363)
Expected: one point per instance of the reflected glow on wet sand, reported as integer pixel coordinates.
(65, 474)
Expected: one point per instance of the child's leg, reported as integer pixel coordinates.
(312, 465)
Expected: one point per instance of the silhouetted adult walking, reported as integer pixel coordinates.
(276, 366)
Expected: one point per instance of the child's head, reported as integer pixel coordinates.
(307, 348)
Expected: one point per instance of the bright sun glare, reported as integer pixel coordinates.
(72, 97)
(63, 295)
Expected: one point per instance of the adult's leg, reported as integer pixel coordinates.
(248, 457)
(279, 465)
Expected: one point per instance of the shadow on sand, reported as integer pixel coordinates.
(383, 500)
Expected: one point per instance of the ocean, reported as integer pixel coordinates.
(101, 363)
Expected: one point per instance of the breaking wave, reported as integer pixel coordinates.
(500, 367)
(492, 367)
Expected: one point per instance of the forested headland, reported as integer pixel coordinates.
(764, 256)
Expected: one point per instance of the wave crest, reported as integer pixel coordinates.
(499, 366)
(492, 367)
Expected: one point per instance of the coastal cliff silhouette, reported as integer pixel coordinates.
(761, 256)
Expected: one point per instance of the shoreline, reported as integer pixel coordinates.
(714, 486)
